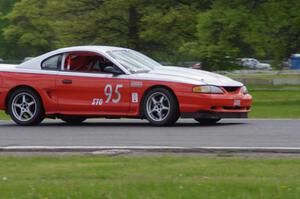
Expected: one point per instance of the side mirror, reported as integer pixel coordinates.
(113, 70)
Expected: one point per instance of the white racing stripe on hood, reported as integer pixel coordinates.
(154, 76)
(189, 76)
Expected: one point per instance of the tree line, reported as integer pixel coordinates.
(212, 31)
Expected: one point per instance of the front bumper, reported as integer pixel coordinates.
(228, 105)
(215, 115)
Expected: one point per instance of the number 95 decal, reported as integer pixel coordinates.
(109, 92)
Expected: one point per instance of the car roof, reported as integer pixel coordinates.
(92, 48)
(36, 62)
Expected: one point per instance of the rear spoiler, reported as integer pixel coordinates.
(7, 66)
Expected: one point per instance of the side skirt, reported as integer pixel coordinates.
(215, 115)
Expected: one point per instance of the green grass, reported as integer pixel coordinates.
(149, 177)
(275, 104)
(272, 87)
(3, 116)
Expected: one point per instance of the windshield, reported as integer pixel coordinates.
(134, 61)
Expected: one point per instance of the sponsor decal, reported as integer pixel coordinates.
(97, 102)
(136, 84)
(135, 97)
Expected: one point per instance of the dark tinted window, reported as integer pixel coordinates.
(52, 63)
(88, 62)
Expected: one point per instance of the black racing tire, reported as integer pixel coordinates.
(206, 121)
(73, 120)
(28, 112)
(160, 99)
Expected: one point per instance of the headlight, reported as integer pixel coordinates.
(244, 90)
(207, 89)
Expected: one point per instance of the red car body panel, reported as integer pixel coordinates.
(76, 98)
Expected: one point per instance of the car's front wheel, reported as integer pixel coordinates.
(25, 107)
(160, 107)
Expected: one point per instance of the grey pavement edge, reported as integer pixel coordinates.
(245, 135)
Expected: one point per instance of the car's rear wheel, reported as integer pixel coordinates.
(207, 121)
(73, 120)
(25, 107)
(160, 107)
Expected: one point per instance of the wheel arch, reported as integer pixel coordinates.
(19, 87)
(141, 110)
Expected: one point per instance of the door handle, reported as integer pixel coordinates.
(67, 81)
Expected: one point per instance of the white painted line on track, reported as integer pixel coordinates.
(139, 147)
(152, 148)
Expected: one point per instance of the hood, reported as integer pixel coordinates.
(189, 76)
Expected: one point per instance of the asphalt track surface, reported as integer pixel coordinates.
(135, 133)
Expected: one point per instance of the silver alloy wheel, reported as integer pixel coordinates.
(158, 106)
(24, 107)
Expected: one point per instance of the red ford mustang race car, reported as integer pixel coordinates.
(77, 83)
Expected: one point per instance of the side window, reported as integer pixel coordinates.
(87, 62)
(52, 63)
